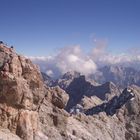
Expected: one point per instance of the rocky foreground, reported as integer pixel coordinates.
(30, 110)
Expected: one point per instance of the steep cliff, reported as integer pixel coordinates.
(22, 94)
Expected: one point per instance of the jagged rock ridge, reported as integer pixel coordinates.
(22, 94)
(79, 87)
(91, 103)
(112, 105)
(122, 76)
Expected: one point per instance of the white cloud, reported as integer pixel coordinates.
(49, 73)
(40, 58)
(68, 59)
(74, 59)
(102, 57)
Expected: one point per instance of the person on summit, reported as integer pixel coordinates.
(1, 46)
(11, 49)
(1, 42)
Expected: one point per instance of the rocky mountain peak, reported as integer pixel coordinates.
(71, 75)
(122, 76)
(21, 83)
(24, 96)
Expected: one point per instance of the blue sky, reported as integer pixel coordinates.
(41, 27)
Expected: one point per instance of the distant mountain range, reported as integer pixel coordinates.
(119, 75)
(104, 84)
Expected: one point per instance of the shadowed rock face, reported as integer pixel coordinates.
(113, 105)
(119, 112)
(132, 115)
(79, 87)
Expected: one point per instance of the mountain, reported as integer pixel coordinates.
(25, 100)
(120, 75)
(79, 87)
(31, 110)
(65, 80)
(113, 104)
(47, 79)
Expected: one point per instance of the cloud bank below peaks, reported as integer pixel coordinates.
(74, 59)
(67, 59)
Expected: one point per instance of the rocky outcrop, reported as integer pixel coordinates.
(132, 116)
(27, 124)
(98, 127)
(64, 81)
(59, 97)
(5, 134)
(88, 103)
(80, 87)
(21, 91)
(111, 107)
(24, 97)
(20, 85)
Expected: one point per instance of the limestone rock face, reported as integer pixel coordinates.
(132, 116)
(95, 127)
(82, 89)
(21, 83)
(25, 100)
(59, 97)
(27, 124)
(5, 134)
(21, 91)
(87, 102)
(112, 105)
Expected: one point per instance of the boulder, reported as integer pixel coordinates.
(27, 124)
(5, 134)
